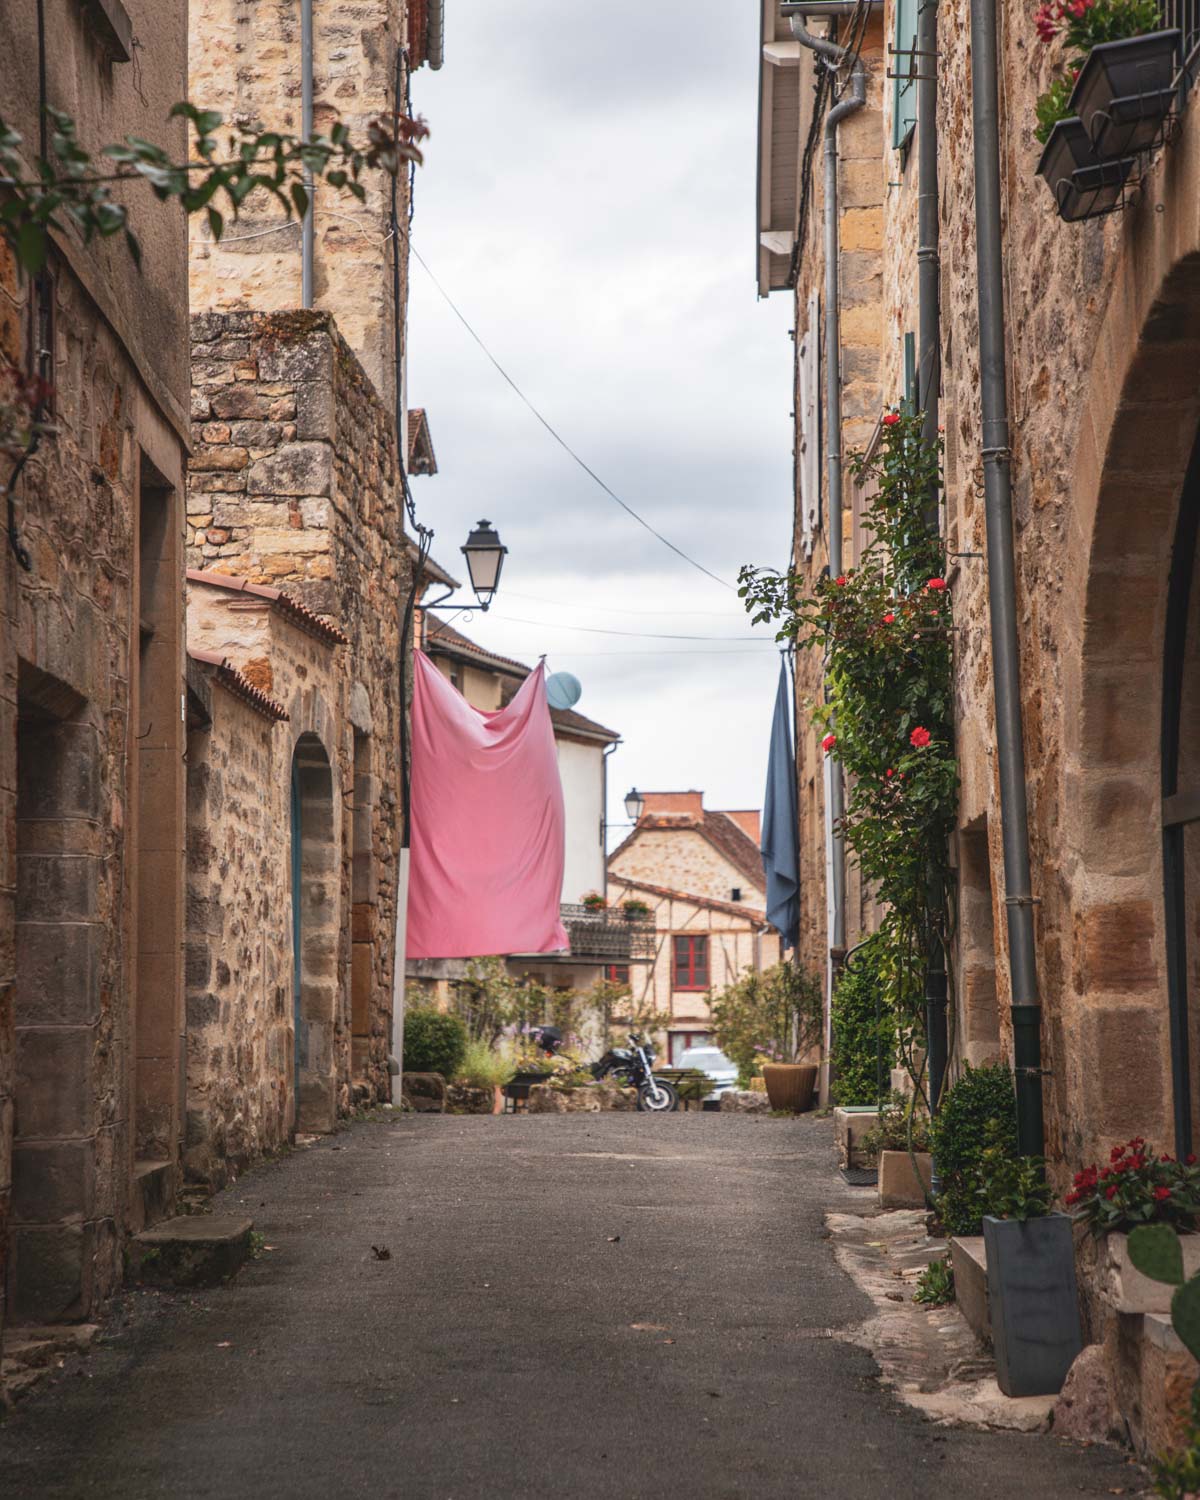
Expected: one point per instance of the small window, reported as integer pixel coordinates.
(617, 973)
(736, 893)
(904, 62)
(690, 966)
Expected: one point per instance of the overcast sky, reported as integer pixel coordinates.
(588, 203)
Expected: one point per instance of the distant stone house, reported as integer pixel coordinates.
(701, 874)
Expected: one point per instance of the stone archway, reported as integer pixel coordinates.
(1119, 999)
(316, 901)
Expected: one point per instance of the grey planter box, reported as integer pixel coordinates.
(1033, 1302)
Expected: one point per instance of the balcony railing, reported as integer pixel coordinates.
(608, 936)
(1184, 14)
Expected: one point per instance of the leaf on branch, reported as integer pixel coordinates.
(30, 247)
(300, 198)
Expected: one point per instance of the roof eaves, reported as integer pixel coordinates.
(233, 681)
(291, 609)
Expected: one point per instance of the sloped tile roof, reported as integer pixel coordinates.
(752, 914)
(240, 686)
(291, 609)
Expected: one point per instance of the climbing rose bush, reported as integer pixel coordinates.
(886, 631)
(1136, 1186)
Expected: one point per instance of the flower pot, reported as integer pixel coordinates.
(1125, 92)
(901, 1185)
(790, 1085)
(1083, 185)
(1032, 1302)
(1124, 1287)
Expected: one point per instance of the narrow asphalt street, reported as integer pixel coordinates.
(592, 1306)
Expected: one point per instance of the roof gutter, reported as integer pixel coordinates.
(435, 34)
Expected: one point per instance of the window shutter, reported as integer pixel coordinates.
(904, 65)
(810, 429)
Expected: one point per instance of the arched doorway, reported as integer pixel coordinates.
(1181, 805)
(1122, 1059)
(315, 898)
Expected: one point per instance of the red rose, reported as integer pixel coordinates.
(936, 583)
(1162, 1193)
(889, 619)
(828, 743)
(1111, 1192)
(889, 772)
(840, 580)
(919, 738)
(891, 418)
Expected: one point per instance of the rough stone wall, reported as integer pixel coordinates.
(1102, 317)
(69, 1086)
(294, 487)
(683, 860)
(239, 942)
(245, 61)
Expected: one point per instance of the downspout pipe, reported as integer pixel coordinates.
(832, 54)
(306, 130)
(928, 384)
(1001, 570)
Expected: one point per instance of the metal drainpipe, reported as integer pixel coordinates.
(1001, 569)
(306, 130)
(928, 382)
(833, 425)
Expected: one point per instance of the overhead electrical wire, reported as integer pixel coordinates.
(642, 635)
(614, 609)
(557, 436)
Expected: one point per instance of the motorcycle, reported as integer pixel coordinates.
(631, 1067)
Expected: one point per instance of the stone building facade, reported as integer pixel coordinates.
(701, 874)
(298, 580)
(1103, 324)
(91, 670)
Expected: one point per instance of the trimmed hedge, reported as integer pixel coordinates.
(864, 1050)
(960, 1136)
(434, 1042)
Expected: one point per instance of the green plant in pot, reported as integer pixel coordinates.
(635, 910)
(593, 901)
(768, 1021)
(1032, 1296)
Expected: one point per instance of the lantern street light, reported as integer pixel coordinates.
(485, 557)
(635, 805)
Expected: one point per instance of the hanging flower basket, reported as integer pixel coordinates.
(1125, 92)
(1083, 186)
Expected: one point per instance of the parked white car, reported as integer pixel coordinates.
(711, 1060)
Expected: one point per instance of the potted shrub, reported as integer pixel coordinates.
(593, 901)
(1137, 1186)
(635, 909)
(961, 1134)
(766, 1022)
(482, 1077)
(1032, 1296)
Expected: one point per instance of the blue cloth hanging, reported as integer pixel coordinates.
(780, 833)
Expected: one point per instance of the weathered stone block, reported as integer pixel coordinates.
(1125, 1288)
(54, 1082)
(900, 1184)
(294, 469)
(194, 1250)
(52, 1273)
(59, 965)
(969, 1260)
(53, 1182)
(1116, 948)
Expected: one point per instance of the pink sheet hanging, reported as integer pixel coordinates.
(488, 824)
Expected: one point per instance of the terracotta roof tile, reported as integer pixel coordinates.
(241, 687)
(291, 609)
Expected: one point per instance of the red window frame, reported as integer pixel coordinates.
(689, 961)
(617, 973)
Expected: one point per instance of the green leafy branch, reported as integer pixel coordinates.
(74, 187)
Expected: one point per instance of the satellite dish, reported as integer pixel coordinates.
(563, 690)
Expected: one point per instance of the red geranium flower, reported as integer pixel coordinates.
(919, 738)
(889, 619)
(1162, 1193)
(891, 418)
(889, 772)
(828, 743)
(840, 580)
(936, 583)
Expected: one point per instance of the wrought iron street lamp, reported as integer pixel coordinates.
(635, 805)
(485, 557)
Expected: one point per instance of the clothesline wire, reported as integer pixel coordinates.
(556, 435)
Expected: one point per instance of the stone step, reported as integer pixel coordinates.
(153, 1191)
(194, 1250)
(970, 1282)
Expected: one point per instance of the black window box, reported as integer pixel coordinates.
(1083, 185)
(1125, 93)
